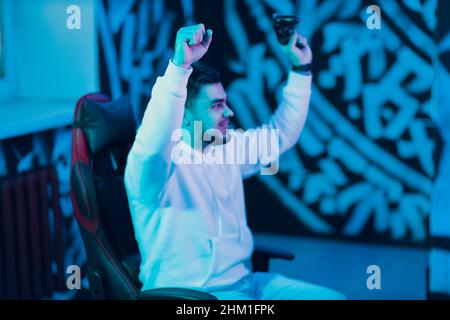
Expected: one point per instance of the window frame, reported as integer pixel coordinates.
(7, 81)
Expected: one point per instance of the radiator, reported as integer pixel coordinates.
(31, 248)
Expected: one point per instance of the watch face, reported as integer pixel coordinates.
(284, 26)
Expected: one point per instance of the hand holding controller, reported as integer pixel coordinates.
(293, 44)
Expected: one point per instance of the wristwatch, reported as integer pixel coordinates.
(303, 68)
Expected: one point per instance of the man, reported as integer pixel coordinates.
(189, 218)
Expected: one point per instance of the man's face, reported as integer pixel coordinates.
(210, 107)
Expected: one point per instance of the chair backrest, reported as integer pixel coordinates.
(102, 134)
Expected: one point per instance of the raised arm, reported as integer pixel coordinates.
(149, 161)
(288, 119)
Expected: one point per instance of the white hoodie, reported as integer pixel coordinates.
(189, 219)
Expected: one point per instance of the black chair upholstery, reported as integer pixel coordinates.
(99, 197)
(102, 135)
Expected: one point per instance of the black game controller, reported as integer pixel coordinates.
(284, 26)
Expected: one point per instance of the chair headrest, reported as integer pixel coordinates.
(106, 124)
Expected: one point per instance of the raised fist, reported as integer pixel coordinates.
(191, 45)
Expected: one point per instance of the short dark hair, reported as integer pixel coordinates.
(200, 76)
